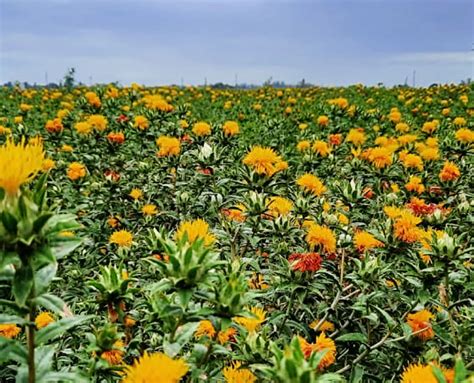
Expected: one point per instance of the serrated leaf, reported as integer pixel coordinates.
(13, 319)
(22, 284)
(352, 337)
(55, 329)
(9, 222)
(51, 303)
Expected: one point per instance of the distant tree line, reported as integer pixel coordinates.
(69, 82)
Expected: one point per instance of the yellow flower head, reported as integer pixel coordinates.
(339, 102)
(392, 211)
(114, 356)
(465, 135)
(235, 374)
(19, 164)
(421, 321)
(48, 164)
(356, 136)
(303, 145)
(93, 99)
(432, 142)
(83, 127)
(169, 146)
(226, 335)
(429, 127)
(252, 324)
(4, 131)
(364, 241)
(325, 326)
(321, 236)
(43, 319)
(395, 116)
(263, 160)
(323, 343)
(323, 120)
(122, 238)
(405, 228)
(183, 124)
(149, 209)
(231, 128)
(407, 139)
(76, 171)
(98, 122)
(141, 122)
(9, 330)
(279, 206)
(201, 129)
(311, 183)
(450, 172)
(415, 184)
(136, 194)
(429, 154)
(157, 102)
(413, 161)
(418, 373)
(236, 213)
(156, 368)
(459, 121)
(194, 230)
(205, 328)
(402, 127)
(380, 157)
(321, 148)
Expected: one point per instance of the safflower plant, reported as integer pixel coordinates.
(264, 235)
(33, 238)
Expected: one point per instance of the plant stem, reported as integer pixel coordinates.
(448, 308)
(30, 334)
(289, 307)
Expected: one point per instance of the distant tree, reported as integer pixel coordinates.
(268, 82)
(69, 79)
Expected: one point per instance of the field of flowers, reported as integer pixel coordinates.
(239, 236)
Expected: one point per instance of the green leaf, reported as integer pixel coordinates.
(51, 302)
(41, 221)
(12, 305)
(390, 321)
(460, 371)
(438, 374)
(330, 378)
(13, 319)
(11, 349)
(44, 276)
(186, 333)
(60, 222)
(357, 374)
(43, 361)
(63, 376)
(39, 190)
(64, 247)
(43, 256)
(22, 284)
(353, 337)
(22, 207)
(9, 258)
(9, 222)
(171, 349)
(55, 329)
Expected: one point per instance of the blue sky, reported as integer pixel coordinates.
(327, 42)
